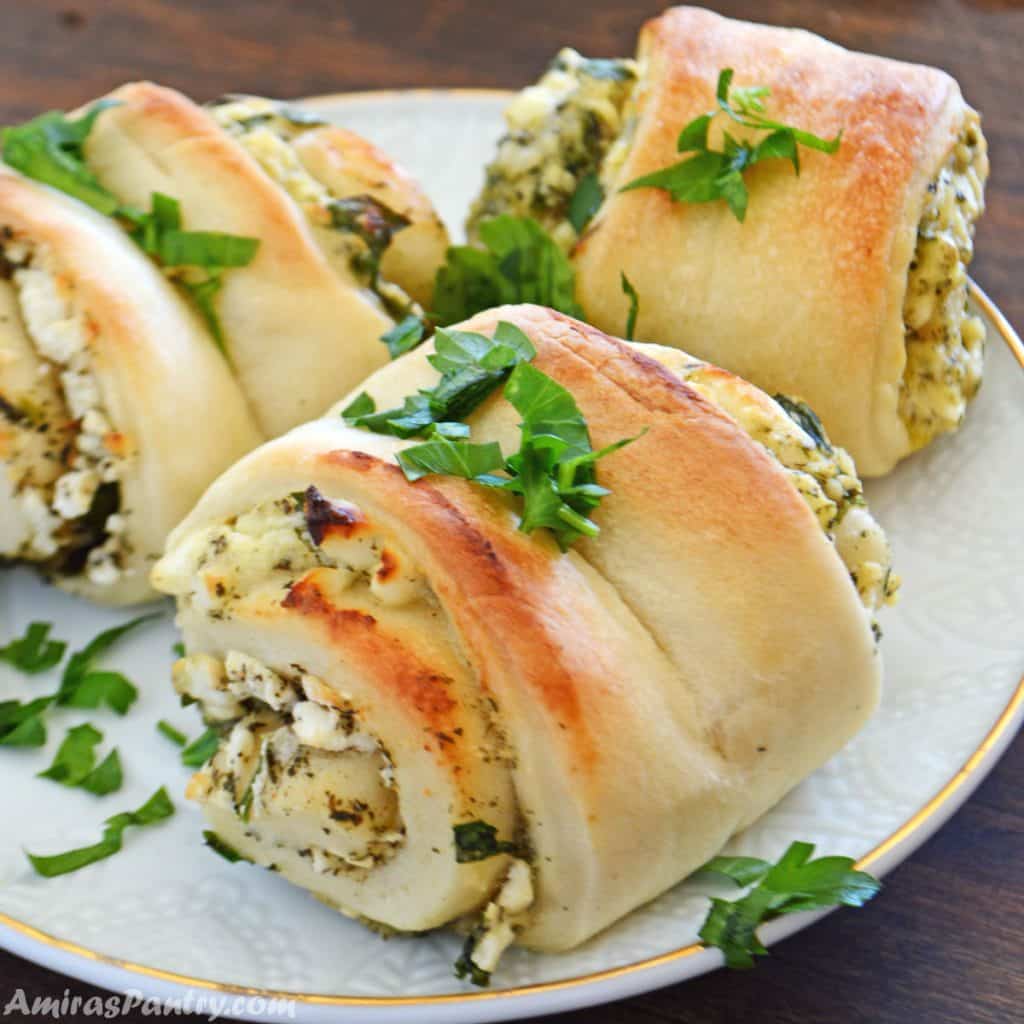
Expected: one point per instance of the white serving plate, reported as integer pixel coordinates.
(168, 919)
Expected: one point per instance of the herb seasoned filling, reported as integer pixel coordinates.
(293, 764)
(945, 346)
(824, 474)
(559, 131)
(65, 460)
(354, 231)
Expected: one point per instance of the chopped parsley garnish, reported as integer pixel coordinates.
(793, 884)
(712, 174)
(75, 763)
(178, 649)
(23, 725)
(49, 149)
(197, 258)
(223, 849)
(404, 336)
(471, 367)
(519, 263)
(178, 738)
(156, 808)
(82, 686)
(553, 471)
(34, 652)
(805, 417)
(634, 305)
(477, 840)
(200, 750)
(585, 201)
(467, 968)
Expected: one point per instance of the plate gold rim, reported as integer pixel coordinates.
(910, 828)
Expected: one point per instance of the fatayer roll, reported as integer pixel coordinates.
(429, 717)
(845, 286)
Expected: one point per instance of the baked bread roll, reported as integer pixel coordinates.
(405, 682)
(303, 320)
(845, 286)
(108, 389)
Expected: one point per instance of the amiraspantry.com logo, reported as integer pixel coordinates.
(211, 1005)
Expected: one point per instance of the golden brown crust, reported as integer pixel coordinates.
(806, 296)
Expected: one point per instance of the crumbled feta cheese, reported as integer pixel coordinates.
(318, 726)
(42, 523)
(74, 491)
(514, 897)
(203, 678)
(248, 677)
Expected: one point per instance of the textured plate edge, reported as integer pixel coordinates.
(603, 986)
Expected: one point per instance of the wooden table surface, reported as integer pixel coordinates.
(943, 944)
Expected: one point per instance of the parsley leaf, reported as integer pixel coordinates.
(178, 738)
(404, 336)
(49, 149)
(586, 200)
(450, 458)
(634, 305)
(471, 367)
(519, 263)
(200, 750)
(33, 652)
(156, 808)
(22, 725)
(75, 763)
(711, 174)
(83, 687)
(793, 884)
(198, 257)
(477, 840)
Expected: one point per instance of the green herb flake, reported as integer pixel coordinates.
(404, 336)
(585, 201)
(82, 686)
(34, 652)
(166, 729)
(793, 884)
(200, 750)
(477, 840)
(520, 262)
(712, 175)
(157, 808)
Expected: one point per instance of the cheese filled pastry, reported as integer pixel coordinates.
(429, 717)
(116, 411)
(302, 320)
(845, 285)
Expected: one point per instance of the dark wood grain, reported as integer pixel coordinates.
(943, 944)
